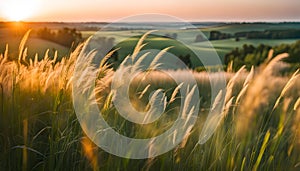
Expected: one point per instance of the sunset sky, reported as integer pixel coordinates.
(110, 10)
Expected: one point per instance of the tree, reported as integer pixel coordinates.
(217, 35)
(250, 55)
(200, 38)
(186, 59)
(66, 36)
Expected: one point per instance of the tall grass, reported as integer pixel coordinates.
(257, 125)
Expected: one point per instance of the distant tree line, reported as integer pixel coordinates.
(213, 35)
(66, 36)
(267, 34)
(217, 35)
(270, 34)
(254, 56)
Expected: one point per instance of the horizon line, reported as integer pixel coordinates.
(194, 21)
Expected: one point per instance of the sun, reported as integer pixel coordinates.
(17, 10)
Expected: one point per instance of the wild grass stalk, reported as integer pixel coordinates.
(250, 132)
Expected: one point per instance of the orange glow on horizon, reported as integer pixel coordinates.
(17, 10)
(111, 10)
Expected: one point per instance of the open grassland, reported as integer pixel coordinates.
(37, 46)
(222, 47)
(256, 118)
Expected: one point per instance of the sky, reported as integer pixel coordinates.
(111, 10)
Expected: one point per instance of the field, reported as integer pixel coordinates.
(36, 45)
(222, 47)
(243, 120)
(8, 32)
(11, 37)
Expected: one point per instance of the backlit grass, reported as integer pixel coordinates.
(257, 121)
